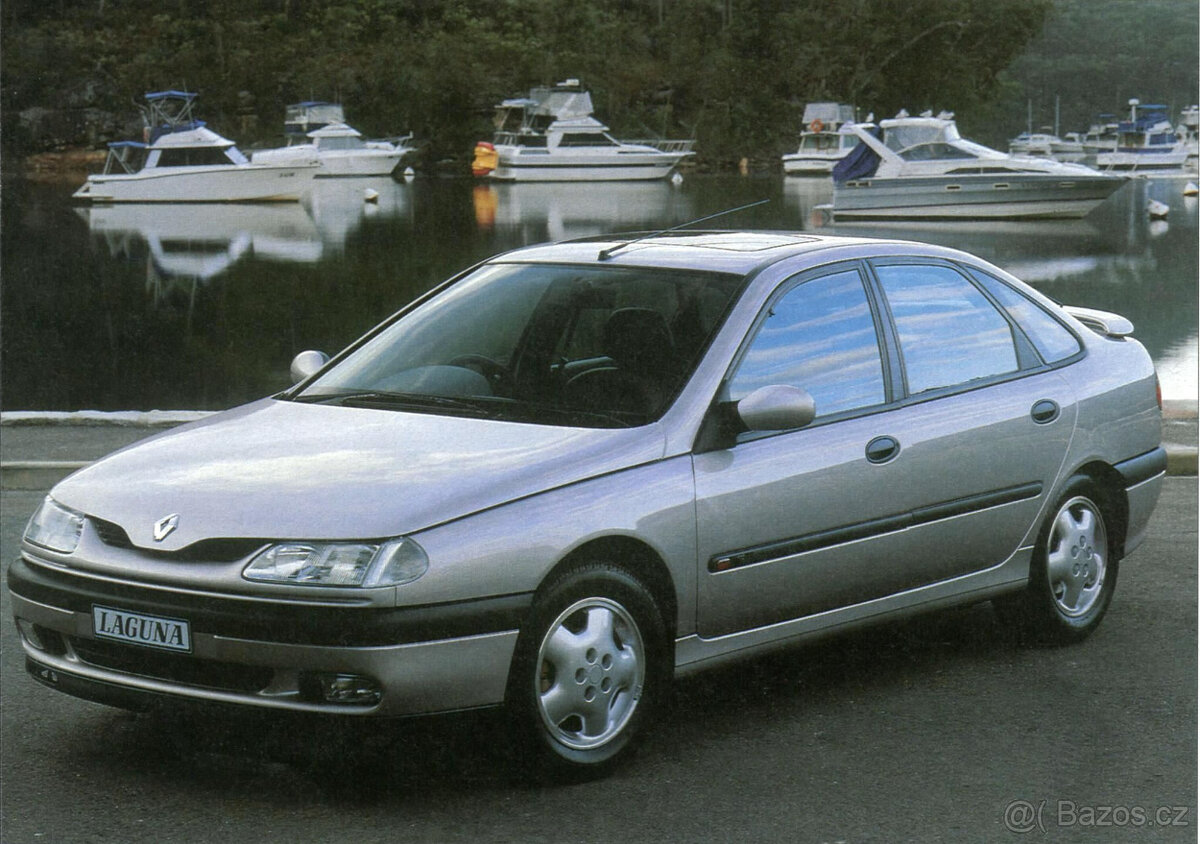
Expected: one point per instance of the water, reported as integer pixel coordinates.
(203, 307)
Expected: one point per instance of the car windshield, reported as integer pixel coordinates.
(584, 346)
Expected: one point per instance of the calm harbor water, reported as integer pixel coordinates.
(203, 307)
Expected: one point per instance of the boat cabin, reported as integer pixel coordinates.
(558, 116)
(1148, 126)
(301, 118)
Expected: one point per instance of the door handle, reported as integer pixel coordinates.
(1044, 411)
(882, 449)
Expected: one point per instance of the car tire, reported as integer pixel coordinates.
(590, 668)
(1073, 572)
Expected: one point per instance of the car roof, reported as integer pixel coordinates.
(720, 251)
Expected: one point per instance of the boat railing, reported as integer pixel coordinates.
(124, 156)
(665, 145)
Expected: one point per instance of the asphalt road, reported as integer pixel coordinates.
(943, 728)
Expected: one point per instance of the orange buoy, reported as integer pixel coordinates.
(486, 158)
(816, 126)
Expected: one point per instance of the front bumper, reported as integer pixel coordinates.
(422, 659)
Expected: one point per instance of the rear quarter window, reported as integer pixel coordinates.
(1053, 341)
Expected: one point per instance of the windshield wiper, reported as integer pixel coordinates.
(494, 407)
(383, 398)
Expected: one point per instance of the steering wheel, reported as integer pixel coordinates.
(496, 373)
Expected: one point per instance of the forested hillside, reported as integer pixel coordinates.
(1094, 55)
(732, 73)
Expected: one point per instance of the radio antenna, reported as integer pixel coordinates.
(605, 254)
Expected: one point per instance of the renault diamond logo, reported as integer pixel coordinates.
(164, 526)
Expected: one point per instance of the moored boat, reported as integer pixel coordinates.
(1033, 143)
(182, 160)
(341, 151)
(921, 168)
(1101, 136)
(552, 136)
(1145, 142)
(822, 145)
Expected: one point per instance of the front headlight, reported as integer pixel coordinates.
(339, 563)
(55, 527)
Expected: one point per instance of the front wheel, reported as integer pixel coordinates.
(589, 671)
(1074, 570)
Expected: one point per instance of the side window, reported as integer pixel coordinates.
(1052, 340)
(819, 336)
(949, 332)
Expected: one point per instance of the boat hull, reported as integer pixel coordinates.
(534, 165)
(1132, 161)
(809, 165)
(982, 197)
(337, 163)
(217, 183)
(368, 164)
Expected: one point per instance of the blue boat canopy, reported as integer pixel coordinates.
(860, 163)
(126, 145)
(164, 95)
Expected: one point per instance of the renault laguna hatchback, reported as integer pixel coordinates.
(578, 470)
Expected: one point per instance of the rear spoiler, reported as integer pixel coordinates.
(1102, 322)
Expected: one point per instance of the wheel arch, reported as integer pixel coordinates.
(1110, 487)
(639, 560)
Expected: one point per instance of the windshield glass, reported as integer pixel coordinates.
(563, 345)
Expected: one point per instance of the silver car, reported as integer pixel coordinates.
(578, 470)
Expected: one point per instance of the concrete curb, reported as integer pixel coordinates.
(121, 418)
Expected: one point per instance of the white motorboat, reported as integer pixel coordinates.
(822, 145)
(1033, 143)
(342, 151)
(1145, 142)
(182, 160)
(1101, 136)
(1068, 148)
(552, 136)
(921, 168)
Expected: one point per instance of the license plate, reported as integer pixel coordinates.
(152, 631)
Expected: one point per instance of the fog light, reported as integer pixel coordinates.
(30, 634)
(347, 689)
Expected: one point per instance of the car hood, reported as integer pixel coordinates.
(285, 470)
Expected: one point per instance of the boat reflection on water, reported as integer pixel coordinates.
(538, 212)
(187, 244)
(339, 207)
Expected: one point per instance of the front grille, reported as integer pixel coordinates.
(174, 668)
(111, 534)
(206, 550)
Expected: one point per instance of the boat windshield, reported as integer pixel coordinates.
(818, 142)
(586, 139)
(903, 136)
(935, 152)
(336, 143)
(583, 346)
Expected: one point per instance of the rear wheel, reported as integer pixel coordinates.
(1074, 571)
(589, 671)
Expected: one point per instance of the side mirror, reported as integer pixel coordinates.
(307, 363)
(777, 408)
